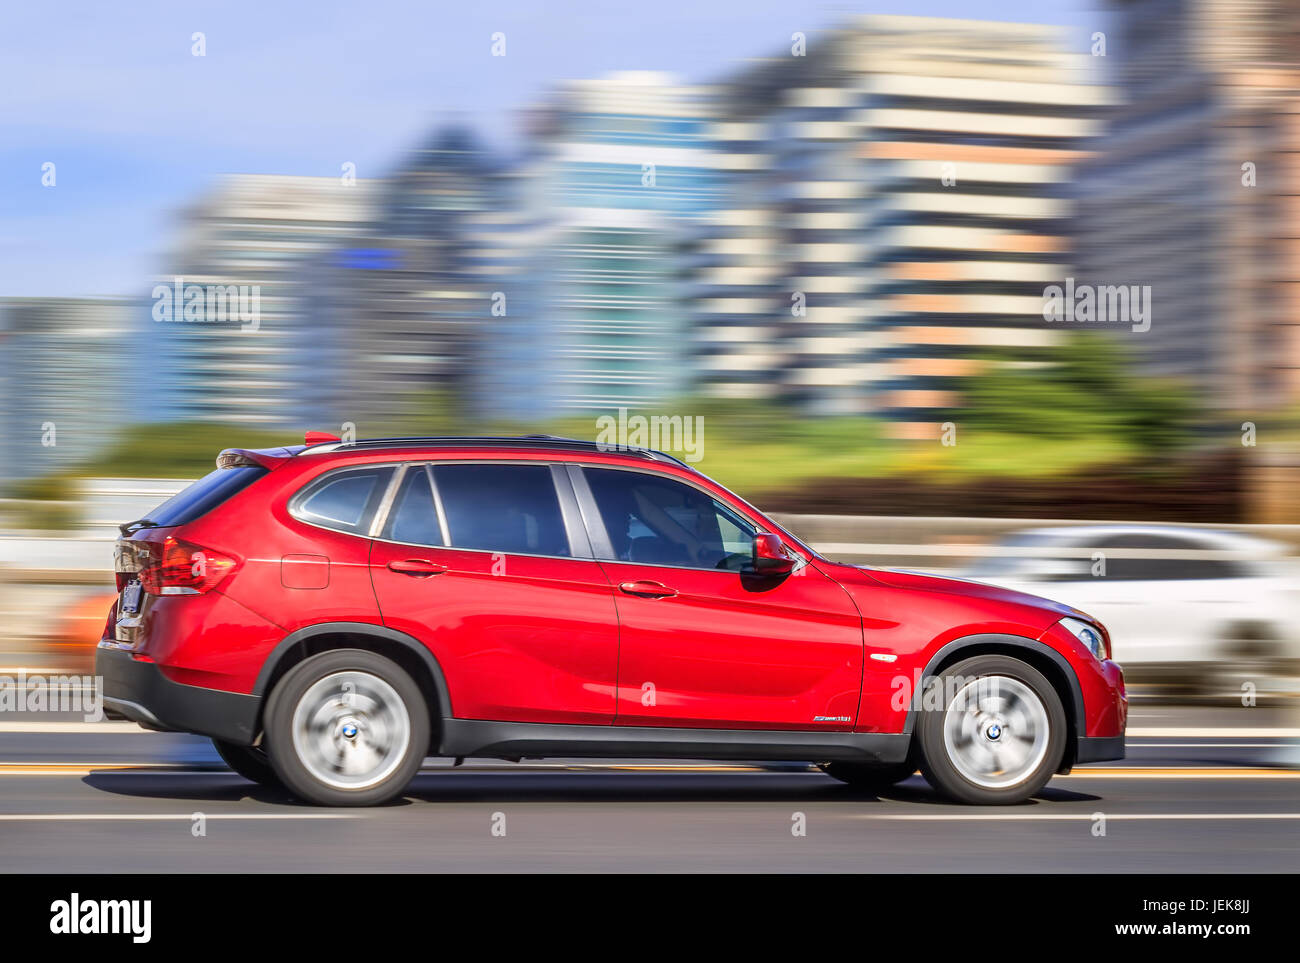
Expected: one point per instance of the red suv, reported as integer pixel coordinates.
(331, 614)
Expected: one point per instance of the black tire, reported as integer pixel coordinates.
(1013, 686)
(251, 762)
(867, 777)
(383, 700)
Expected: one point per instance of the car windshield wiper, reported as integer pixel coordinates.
(129, 528)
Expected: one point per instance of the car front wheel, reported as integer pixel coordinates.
(999, 735)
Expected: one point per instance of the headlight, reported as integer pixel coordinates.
(1090, 635)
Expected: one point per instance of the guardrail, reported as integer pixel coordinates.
(903, 541)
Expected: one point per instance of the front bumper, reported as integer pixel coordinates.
(140, 692)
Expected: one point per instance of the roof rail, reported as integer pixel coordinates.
(495, 441)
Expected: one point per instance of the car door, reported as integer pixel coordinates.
(704, 642)
(488, 564)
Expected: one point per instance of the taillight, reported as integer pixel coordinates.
(122, 571)
(184, 569)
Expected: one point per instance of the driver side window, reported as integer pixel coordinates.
(658, 521)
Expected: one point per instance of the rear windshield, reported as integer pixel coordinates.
(204, 495)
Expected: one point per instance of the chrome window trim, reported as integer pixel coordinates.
(487, 551)
(294, 503)
(593, 529)
(443, 528)
(571, 511)
(601, 546)
(381, 513)
(576, 552)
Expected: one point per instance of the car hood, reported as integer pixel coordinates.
(979, 590)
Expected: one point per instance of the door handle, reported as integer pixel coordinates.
(647, 589)
(416, 567)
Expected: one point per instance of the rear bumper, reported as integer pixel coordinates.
(140, 692)
(1099, 748)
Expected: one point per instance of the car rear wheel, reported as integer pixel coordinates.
(867, 777)
(251, 762)
(347, 728)
(999, 736)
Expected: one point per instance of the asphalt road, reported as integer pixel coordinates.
(1201, 791)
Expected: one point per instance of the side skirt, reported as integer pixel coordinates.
(513, 740)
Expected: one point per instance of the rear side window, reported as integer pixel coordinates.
(345, 501)
(204, 495)
(502, 508)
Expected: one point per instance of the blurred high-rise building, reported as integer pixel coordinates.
(63, 398)
(856, 227)
(228, 331)
(916, 176)
(623, 171)
(970, 133)
(1195, 191)
(743, 305)
(404, 309)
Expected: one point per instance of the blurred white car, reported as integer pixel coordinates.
(1184, 606)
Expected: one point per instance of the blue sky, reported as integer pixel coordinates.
(137, 126)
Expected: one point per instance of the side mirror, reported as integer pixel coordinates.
(770, 556)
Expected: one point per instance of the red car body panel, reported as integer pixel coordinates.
(913, 616)
(258, 524)
(760, 653)
(519, 638)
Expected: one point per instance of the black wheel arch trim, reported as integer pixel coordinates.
(1017, 641)
(420, 650)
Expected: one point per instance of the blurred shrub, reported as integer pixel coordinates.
(429, 412)
(47, 488)
(1085, 387)
(46, 504)
(178, 450)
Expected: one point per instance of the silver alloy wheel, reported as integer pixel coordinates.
(996, 731)
(351, 730)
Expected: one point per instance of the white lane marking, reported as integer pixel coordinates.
(1225, 732)
(1174, 772)
(179, 769)
(106, 726)
(184, 769)
(1057, 817)
(127, 817)
(1214, 733)
(1203, 745)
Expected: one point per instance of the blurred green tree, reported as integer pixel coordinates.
(1085, 386)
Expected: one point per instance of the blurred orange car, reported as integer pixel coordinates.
(78, 632)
